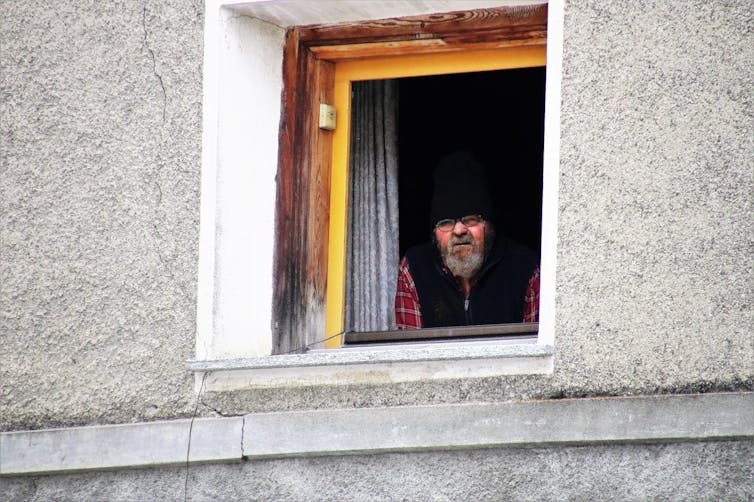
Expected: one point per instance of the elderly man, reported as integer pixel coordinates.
(467, 275)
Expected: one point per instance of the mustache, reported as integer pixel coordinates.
(462, 239)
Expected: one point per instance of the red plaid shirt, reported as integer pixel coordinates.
(408, 314)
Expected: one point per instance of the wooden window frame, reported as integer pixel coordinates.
(304, 179)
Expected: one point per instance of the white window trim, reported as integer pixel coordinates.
(243, 47)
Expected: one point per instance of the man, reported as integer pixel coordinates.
(467, 275)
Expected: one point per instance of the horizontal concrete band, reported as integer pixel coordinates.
(120, 446)
(376, 430)
(569, 421)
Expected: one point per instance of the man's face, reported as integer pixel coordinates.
(462, 249)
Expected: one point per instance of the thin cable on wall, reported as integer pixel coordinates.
(303, 348)
(191, 429)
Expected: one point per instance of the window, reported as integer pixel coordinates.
(320, 64)
(400, 129)
(241, 281)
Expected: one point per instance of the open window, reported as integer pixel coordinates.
(321, 63)
(400, 129)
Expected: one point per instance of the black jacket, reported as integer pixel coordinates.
(496, 297)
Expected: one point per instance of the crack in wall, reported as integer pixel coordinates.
(159, 189)
(218, 412)
(166, 266)
(243, 433)
(259, 19)
(154, 178)
(230, 415)
(154, 63)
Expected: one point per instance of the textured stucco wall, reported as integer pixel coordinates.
(100, 158)
(100, 153)
(680, 471)
(655, 279)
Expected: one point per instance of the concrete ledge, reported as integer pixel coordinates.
(377, 430)
(568, 421)
(386, 364)
(121, 446)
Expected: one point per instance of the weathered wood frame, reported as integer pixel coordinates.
(305, 151)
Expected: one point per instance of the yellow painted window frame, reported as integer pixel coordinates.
(347, 72)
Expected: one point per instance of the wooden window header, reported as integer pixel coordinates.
(484, 28)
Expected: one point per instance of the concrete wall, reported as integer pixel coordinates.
(101, 164)
(655, 283)
(680, 471)
(100, 154)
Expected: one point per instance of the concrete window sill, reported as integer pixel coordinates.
(378, 364)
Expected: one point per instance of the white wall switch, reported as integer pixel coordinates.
(326, 117)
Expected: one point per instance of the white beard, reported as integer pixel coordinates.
(466, 267)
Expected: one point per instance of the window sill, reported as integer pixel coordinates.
(378, 364)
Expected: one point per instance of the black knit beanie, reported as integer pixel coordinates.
(460, 189)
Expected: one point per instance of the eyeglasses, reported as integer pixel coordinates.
(468, 221)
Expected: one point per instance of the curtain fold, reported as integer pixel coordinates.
(372, 207)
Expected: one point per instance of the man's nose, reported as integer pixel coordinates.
(459, 228)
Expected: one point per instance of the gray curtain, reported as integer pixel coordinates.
(372, 207)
